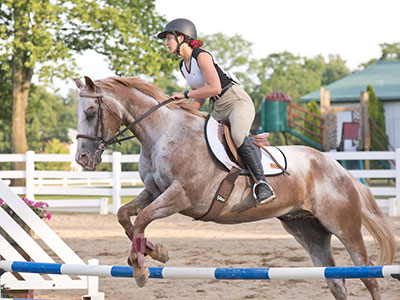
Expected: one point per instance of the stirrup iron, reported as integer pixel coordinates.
(266, 200)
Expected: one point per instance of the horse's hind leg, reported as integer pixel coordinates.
(353, 241)
(310, 233)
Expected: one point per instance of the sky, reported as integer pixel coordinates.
(353, 29)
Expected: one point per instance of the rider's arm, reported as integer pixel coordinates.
(213, 84)
(197, 103)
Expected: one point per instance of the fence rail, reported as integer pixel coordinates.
(109, 183)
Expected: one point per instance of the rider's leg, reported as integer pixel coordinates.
(241, 118)
(262, 190)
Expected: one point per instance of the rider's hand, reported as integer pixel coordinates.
(178, 96)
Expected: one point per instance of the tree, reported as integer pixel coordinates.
(390, 51)
(335, 69)
(54, 146)
(289, 73)
(6, 104)
(295, 75)
(376, 112)
(232, 53)
(41, 36)
(49, 117)
(313, 108)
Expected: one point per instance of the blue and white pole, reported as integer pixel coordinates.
(207, 273)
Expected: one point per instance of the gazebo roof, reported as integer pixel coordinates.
(384, 76)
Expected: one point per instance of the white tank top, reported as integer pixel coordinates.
(194, 76)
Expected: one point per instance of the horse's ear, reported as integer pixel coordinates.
(78, 83)
(89, 83)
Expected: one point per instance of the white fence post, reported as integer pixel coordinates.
(93, 284)
(30, 169)
(116, 186)
(398, 180)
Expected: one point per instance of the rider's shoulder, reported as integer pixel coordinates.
(198, 51)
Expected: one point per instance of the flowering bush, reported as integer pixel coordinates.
(5, 292)
(39, 207)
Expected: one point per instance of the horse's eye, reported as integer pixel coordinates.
(90, 114)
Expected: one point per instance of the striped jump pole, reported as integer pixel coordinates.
(206, 273)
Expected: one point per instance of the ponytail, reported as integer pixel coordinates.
(195, 43)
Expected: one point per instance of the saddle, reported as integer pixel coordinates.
(224, 135)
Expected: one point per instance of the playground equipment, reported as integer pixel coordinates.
(206, 273)
(278, 114)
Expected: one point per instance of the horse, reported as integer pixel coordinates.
(317, 199)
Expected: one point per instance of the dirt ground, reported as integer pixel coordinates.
(192, 243)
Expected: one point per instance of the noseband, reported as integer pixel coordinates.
(103, 143)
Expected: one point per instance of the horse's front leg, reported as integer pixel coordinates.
(171, 201)
(157, 252)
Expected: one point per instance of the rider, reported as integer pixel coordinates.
(231, 102)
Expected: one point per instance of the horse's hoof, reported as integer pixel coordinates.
(141, 275)
(128, 260)
(159, 253)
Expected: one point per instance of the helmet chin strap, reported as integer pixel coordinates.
(178, 47)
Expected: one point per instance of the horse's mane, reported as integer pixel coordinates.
(114, 84)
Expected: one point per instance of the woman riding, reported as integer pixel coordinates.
(231, 102)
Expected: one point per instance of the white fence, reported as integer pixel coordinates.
(109, 184)
(74, 183)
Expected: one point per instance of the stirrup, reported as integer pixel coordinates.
(266, 200)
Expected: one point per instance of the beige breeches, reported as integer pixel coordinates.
(235, 106)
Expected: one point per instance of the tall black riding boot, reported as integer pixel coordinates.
(262, 191)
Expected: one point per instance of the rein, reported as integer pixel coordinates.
(116, 137)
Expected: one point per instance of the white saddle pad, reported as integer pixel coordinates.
(218, 149)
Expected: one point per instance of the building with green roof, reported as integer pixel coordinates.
(384, 76)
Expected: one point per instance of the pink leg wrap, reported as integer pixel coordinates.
(138, 247)
(130, 232)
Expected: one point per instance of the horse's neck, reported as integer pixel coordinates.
(151, 128)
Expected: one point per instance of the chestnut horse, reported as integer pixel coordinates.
(319, 197)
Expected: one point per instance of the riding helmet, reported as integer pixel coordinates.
(181, 25)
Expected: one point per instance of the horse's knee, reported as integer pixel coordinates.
(123, 214)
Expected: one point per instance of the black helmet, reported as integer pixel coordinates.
(176, 26)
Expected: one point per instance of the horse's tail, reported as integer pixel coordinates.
(377, 225)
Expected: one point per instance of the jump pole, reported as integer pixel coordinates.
(206, 273)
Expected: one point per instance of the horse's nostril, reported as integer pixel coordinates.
(83, 159)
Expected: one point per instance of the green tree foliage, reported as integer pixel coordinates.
(390, 51)
(295, 75)
(48, 117)
(6, 106)
(41, 36)
(291, 74)
(232, 53)
(55, 146)
(335, 69)
(376, 112)
(313, 117)
(169, 84)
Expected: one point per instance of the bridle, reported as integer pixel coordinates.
(103, 143)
